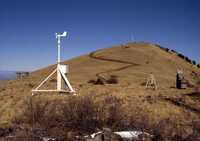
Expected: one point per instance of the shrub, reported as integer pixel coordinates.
(87, 115)
(194, 62)
(40, 113)
(167, 130)
(195, 136)
(181, 56)
(188, 60)
(167, 49)
(92, 81)
(174, 51)
(163, 48)
(110, 112)
(30, 85)
(25, 136)
(40, 118)
(112, 80)
(80, 112)
(5, 131)
(34, 112)
(101, 80)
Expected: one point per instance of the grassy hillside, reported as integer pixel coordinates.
(131, 64)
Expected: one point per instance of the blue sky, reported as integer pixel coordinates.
(27, 28)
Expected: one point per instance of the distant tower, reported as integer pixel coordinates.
(151, 82)
(63, 84)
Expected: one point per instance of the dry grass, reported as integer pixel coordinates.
(86, 114)
(148, 58)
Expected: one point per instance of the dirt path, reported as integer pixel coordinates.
(129, 64)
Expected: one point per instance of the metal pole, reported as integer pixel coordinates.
(58, 49)
(59, 79)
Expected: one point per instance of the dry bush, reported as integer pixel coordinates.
(92, 81)
(39, 113)
(5, 131)
(87, 113)
(80, 113)
(195, 136)
(169, 130)
(35, 111)
(84, 113)
(110, 112)
(112, 80)
(24, 136)
(30, 85)
(101, 81)
(139, 119)
(40, 119)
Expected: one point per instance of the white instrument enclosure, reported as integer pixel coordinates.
(64, 69)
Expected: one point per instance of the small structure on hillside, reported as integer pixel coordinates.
(181, 82)
(151, 82)
(20, 75)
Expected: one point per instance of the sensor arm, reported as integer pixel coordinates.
(58, 36)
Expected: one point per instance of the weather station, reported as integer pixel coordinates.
(62, 83)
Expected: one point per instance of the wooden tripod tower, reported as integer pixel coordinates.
(151, 82)
(61, 70)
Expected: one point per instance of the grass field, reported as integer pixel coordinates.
(131, 64)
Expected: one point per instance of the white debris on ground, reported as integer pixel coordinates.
(130, 134)
(49, 139)
(123, 134)
(95, 134)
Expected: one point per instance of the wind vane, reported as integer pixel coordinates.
(63, 84)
